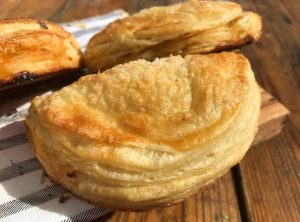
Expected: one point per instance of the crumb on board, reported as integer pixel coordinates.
(64, 197)
(226, 217)
(81, 25)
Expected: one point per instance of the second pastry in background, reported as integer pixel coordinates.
(192, 27)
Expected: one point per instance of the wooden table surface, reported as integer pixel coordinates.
(265, 186)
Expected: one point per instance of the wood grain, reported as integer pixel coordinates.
(272, 118)
(271, 171)
(271, 178)
(29, 8)
(276, 57)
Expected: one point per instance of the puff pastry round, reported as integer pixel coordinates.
(32, 48)
(147, 134)
(193, 27)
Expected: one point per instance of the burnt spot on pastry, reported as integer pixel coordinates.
(24, 76)
(2, 83)
(19, 77)
(63, 198)
(71, 174)
(42, 24)
(232, 46)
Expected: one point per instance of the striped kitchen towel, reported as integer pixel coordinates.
(26, 194)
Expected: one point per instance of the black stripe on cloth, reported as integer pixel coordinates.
(88, 215)
(30, 200)
(18, 169)
(13, 141)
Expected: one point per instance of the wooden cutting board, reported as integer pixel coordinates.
(272, 117)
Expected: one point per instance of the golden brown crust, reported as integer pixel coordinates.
(192, 27)
(32, 48)
(144, 135)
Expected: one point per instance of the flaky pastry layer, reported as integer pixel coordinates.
(147, 134)
(192, 27)
(32, 48)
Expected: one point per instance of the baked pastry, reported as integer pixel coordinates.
(32, 48)
(192, 27)
(147, 134)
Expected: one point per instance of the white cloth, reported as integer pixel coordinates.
(25, 193)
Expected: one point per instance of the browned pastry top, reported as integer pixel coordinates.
(30, 48)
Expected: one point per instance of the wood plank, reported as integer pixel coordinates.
(218, 202)
(271, 178)
(270, 171)
(30, 8)
(272, 117)
(275, 58)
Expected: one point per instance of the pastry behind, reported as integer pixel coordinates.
(145, 134)
(192, 27)
(31, 48)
